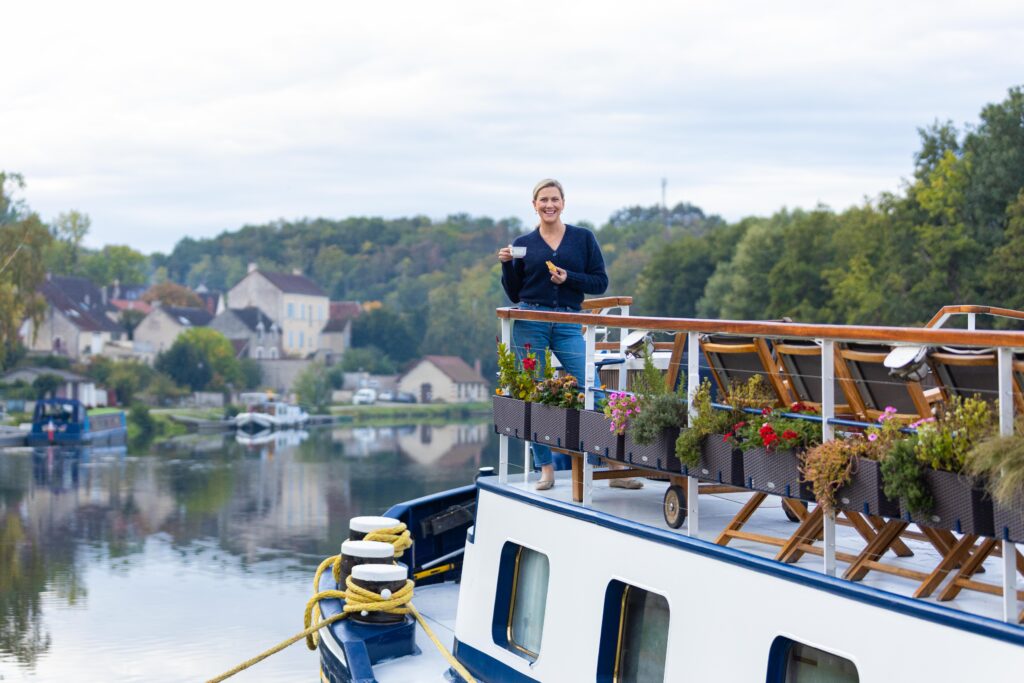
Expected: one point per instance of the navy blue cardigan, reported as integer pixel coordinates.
(528, 279)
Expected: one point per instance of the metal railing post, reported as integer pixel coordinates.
(590, 340)
(1005, 357)
(623, 332)
(506, 339)
(828, 411)
(692, 385)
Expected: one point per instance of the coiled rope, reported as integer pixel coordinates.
(357, 600)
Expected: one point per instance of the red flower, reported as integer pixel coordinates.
(727, 436)
(797, 407)
(766, 411)
(529, 364)
(739, 424)
(766, 429)
(790, 434)
(527, 347)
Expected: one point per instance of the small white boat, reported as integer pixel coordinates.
(265, 412)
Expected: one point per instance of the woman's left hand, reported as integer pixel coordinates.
(558, 276)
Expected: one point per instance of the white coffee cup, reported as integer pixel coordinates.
(518, 252)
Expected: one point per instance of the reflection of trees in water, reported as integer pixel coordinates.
(22, 580)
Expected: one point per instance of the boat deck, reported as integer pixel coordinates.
(644, 506)
(437, 603)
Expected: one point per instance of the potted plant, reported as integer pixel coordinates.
(704, 449)
(959, 500)
(1000, 461)
(863, 490)
(771, 444)
(601, 432)
(516, 388)
(555, 414)
(661, 412)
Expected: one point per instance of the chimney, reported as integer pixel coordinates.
(252, 266)
(476, 366)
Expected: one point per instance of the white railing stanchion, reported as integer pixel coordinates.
(1005, 357)
(623, 372)
(828, 411)
(506, 339)
(502, 459)
(590, 340)
(527, 461)
(692, 385)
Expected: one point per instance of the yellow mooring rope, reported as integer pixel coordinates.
(357, 599)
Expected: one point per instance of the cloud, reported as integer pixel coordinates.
(193, 118)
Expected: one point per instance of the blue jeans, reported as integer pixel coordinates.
(566, 343)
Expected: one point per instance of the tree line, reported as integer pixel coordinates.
(951, 235)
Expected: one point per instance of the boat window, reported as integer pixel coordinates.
(634, 635)
(521, 600)
(793, 662)
(643, 637)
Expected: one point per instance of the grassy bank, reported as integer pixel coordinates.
(421, 412)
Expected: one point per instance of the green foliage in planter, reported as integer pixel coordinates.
(944, 444)
(562, 391)
(515, 379)
(828, 466)
(903, 477)
(774, 432)
(660, 407)
(707, 420)
(1000, 461)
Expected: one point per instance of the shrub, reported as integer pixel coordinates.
(659, 407)
(1000, 460)
(903, 477)
(707, 420)
(827, 468)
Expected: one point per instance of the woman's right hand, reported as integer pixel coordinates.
(505, 254)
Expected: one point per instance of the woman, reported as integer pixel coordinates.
(576, 268)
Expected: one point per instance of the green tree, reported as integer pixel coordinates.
(216, 352)
(113, 262)
(70, 228)
(996, 150)
(23, 239)
(172, 294)
(674, 279)
(127, 378)
(388, 331)
(46, 385)
(367, 359)
(313, 388)
(186, 365)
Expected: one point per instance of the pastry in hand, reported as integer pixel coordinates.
(552, 267)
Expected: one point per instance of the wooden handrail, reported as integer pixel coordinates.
(853, 333)
(964, 309)
(606, 302)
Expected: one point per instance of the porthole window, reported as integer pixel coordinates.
(793, 662)
(634, 635)
(521, 600)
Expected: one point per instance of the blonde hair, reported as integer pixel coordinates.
(547, 182)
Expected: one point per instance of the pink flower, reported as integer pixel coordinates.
(872, 437)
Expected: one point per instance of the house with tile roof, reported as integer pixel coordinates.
(78, 321)
(161, 327)
(253, 333)
(444, 379)
(295, 303)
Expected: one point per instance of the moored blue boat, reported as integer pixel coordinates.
(66, 421)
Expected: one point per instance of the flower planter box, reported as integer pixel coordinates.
(553, 426)
(775, 472)
(511, 417)
(597, 438)
(1009, 520)
(660, 454)
(961, 504)
(719, 462)
(864, 492)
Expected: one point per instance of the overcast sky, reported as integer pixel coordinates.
(202, 116)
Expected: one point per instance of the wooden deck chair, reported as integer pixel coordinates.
(869, 389)
(737, 359)
(969, 372)
(800, 360)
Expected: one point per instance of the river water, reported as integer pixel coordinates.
(176, 562)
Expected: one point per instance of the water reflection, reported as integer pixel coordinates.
(262, 511)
